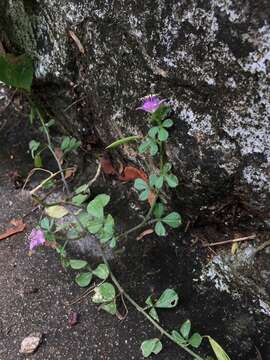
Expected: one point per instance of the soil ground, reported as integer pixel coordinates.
(36, 291)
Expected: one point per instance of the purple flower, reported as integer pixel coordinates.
(151, 103)
(36, 238)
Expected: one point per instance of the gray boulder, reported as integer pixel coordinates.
(210, 58)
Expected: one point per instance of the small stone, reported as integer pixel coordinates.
(31, 343)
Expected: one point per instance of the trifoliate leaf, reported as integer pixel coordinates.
(95, 207)
(151, 346)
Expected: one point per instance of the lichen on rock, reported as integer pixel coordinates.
(210, 58)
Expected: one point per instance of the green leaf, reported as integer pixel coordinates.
(167, 300)
(104, 293)
(65, 143)
(110, 308)
(172, 180)
(81, 189)
(160, 229)
(151, 346)
(167, 123)
(185, 329)
(95, 207)
(123, 141)
(219, 352)
(159, 182)
(173, 220)
(163, 134)
(112, 243)
(153, 148)
(95, 226)
(102, 271)
(159, 210)
(195, 340)
(166, 168)
(149, 301)
(38, 161)
(85, 218)
(33, 146)
(56, 211)
(177, 337)
(153, 313)
(77, 264)
(46, 224)
(144, 146)
(79, 199)
(153, 131)
(144, 195)
(140, 184)
(16, 71)
(84, 279)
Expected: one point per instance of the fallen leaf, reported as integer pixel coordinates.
(73, 318)
(59, 154)
(18, 226)
(144, 233)
(56, 211)
(70, 172)
(234, 248)
(131, 173)
(151, 197)
(75, 38)
(107, 166)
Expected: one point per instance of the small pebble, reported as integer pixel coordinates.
(31, 343)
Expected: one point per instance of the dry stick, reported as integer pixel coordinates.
(31, 174)
(114, 279)
(250, 237)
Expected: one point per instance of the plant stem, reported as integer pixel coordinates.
(114, 279)
(145, 220)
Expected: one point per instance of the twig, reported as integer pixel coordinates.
(250, 237)
(91, 182)
(31, 174)
(262, 246)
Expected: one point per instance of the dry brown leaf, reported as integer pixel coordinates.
(107, 166)
(18, 226)
(70, 172)
(75, 38)
(151, 197)
(59, 154)
(144, 233)
(131, 173)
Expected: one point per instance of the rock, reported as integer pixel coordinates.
(211, 58)
(30, 344)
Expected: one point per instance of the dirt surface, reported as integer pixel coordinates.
(36, 291)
